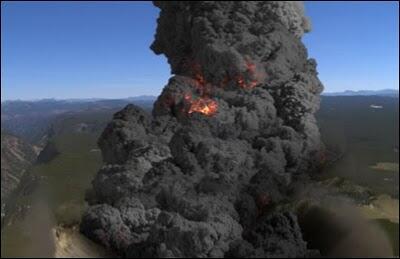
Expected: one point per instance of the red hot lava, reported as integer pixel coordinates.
(206, 105)
(202, 104)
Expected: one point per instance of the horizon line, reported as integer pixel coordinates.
(150, 95)
(76, 98)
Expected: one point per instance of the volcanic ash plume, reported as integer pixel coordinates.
(231, 133)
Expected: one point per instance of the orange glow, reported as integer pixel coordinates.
(251, 71)
(202, 105)
(246, 85)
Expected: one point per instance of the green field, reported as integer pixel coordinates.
(366, 137)
(368, 141)
(69, 175)
(65, 180)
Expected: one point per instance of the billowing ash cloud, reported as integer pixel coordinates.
(230, 134)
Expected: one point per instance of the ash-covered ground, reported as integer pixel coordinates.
(230, 138)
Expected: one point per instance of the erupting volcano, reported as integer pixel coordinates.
(212, 171)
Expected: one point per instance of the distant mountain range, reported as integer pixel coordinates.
(152, 98)
(83, 100)
(31, 120)
(383, 92)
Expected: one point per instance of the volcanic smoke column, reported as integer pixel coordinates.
(230, 135)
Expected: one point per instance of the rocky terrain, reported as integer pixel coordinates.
(230, 137)
(69, 243)
(16, 157)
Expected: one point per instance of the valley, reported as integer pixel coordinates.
(364, 139)
(52, 197)
(367, 140)
(16, 158)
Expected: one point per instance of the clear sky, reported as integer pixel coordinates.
(101, 49)
(356, 44)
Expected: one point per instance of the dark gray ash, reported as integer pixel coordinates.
(184, 184)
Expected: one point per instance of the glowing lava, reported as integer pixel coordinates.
(204, 105)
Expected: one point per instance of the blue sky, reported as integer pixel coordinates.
(356, 44)
(83, 50)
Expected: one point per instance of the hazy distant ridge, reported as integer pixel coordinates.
(82, 100)
(383, 92)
